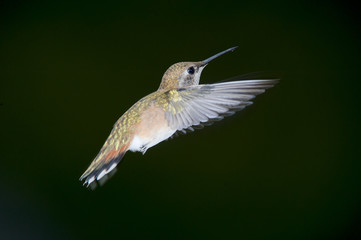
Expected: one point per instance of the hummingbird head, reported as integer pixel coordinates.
(182, 74)
(185, 74)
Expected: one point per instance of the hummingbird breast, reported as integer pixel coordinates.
(152, 129)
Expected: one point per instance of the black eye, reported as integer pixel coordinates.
(190, 70)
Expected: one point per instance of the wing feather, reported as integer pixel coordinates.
(201, 105)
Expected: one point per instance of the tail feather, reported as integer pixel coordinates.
(102, 165)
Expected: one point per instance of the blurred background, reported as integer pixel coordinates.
(288, 167)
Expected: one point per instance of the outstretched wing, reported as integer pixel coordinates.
(200, 105)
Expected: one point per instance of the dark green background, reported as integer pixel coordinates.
(288, 167)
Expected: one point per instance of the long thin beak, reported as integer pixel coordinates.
(205, 62)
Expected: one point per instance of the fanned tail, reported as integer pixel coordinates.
(106, 161)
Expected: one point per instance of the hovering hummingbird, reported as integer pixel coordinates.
(180, 104)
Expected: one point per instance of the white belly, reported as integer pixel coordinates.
(141, 144)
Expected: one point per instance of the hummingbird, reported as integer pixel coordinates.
(180, 104)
